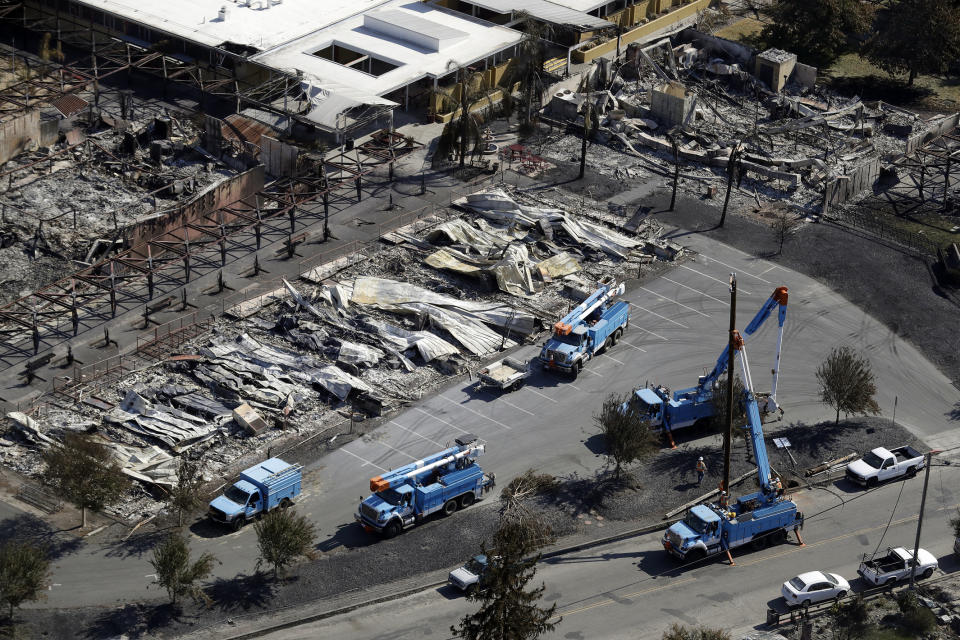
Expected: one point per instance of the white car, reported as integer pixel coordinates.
(812, 587)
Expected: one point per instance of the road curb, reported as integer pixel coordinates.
(433, 585)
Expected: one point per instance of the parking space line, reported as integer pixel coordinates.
(772, 267)
(735, 269)
(365, 461)
(449, 424)
(611, 357)
(654, 334)
(400, 451)
(725, 283)
(622, 341)
(496, 422)
(682, 326)
(574, 386)
(509, 404)
(663, 297)
(397, 424)
(542, 395)
(680, 284)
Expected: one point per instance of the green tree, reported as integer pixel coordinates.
(283, 536)
(85, 473)
(683, 632)
(847, 383)
(627, 434)
(176, 572)
(24, 569)
(508, 609)
(851, 620)
(818, 31)
(184, 496)
(916, 36)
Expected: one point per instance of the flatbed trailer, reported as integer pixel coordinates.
(506, 375)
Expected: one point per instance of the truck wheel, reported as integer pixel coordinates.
(696, 555)
(576, 369)
(616, 335)
(238, 523)
(779, 537)
(392, 529)
(450, 507)
(606, 345)
(285, 503)
(466, 500)
(912, 472)
(927, 573)
(471, 589)
(872, 482)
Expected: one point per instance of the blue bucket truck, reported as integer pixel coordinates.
(589, 329)
(760, 518)
(445, 481)
(261, 488)
(687, 407)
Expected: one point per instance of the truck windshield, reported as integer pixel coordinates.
(570, 338)
(474, 566)
(873, 460)
(390, 496)
(643, 409)
(237, 495)
(695, 523)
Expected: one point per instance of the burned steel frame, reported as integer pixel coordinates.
(137, 275)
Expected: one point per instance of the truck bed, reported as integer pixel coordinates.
(501, 371)
(903, 454)
(504, 373)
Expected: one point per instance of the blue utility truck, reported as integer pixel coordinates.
(760, 518)
(261, 488)
(590, 328)
(444, 481)
(689, 406)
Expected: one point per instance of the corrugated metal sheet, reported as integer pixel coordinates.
(70, 104)
(241, 129)
(546, 11)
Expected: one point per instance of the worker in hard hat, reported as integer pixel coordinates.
(701, 469)
(777, 487)
(724, 500)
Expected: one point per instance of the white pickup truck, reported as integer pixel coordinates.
(895, 565)
(885, 464)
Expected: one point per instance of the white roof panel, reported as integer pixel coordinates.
(554, 12)
(263, 24)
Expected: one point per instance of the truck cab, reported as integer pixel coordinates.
(694, 537)
(259, 489)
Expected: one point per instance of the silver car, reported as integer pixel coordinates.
(812, 587)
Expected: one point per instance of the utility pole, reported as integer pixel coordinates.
(729, 390)
(676, 168)
(731, 167)
(923, 503)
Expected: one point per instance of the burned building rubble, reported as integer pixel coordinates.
(428, 303)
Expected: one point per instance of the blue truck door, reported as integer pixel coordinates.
(253, 505)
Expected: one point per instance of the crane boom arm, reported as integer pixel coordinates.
(777, 299)
(585, 308)
(754, 423)
(399, 476)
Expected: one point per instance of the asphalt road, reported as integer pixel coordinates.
(677, 330)
(632, 590)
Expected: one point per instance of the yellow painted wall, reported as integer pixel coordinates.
(649, 28)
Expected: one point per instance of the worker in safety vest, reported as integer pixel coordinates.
(701, 469)
(724, 500)
(777, 486)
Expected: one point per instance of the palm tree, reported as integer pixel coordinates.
(527, 66)
(464, 130)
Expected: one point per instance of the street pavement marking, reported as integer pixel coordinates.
(611, 357)
(680, 284)
(735, 269)
(496, 422)
(654, 334)
(771, 268)
(725, 283)
(570, 384)
(404, 453)
(632, 346)
(365, 461)
(663, 297)
(542, 395)
(449, 424)
(604, 603)
(682, 326)
(397, 424)
(509, 404)
(591, 372)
